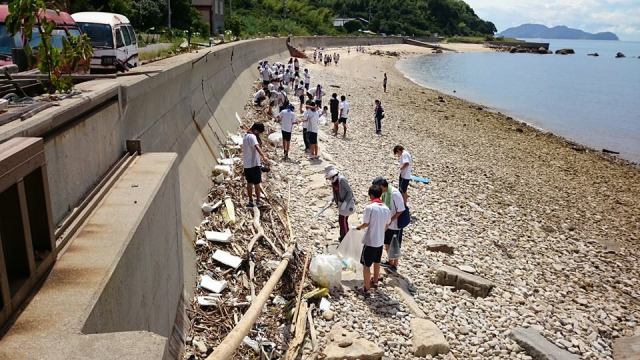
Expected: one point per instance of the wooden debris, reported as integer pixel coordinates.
(298, 339)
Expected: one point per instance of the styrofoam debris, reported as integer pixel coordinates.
(215, 286)
(217, 236)
(228, 161)
(227, 259)
(222, 169)
(201, 242)
(275, 138)
(324, 304)
(279, 300)
(209, 207)
(207, 300)
(237, 139)
(229, 215)
(252, 344)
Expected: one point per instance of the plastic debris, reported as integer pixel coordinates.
(227, 259)
(215, 286)
(237, 139)
(421, 179)
(230, 213)
(326, 271)
(350, 250)
(275, 138)
(217, 236)
(222, 169)
(207, 300)
(279, 300)
(325, 305)
(316, 293)
(219, 179)
(252, 344)
(209, 207)
(200, 242)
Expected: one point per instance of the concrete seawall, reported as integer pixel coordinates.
(131, 294)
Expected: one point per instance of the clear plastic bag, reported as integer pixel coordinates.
(350, 250)
(394, 251)
(326, 271)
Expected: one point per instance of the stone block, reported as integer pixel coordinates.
(627, 348)
(427, 339)
(450, 276)
(439, 247)
(538, 347)
(346, 345)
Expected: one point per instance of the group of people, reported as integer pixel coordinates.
(326, 59)
(384, 218)
(386, 215)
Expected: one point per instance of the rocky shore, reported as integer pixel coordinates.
(555, 230)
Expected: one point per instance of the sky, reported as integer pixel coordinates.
(619, 16)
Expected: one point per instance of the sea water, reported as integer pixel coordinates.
(591, 100)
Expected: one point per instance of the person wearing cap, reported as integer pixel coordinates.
(287, 119)
(342, 196)
(397, 206)
(251, 156)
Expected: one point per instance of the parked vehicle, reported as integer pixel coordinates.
(115, 46)
(13, 46)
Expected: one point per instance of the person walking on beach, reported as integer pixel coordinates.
(287, 119)
(394, 232)
(375, 219)
(305, 125)
(334, 106)
(384, 82)
(342, 196)
(406, 167)
(300, 94)
(378, 116)
(251, 155)
(317, 95)
(311, 119)
(307, 79)
(344, 115)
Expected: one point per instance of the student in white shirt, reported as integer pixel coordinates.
(375, 219)
(397, 207)
(312, 119)
(260, 96)
(406, 167)
(307, 79)
(287, 119)
(344, 115)
(251, 155)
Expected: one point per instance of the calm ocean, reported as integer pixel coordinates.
(591, 100)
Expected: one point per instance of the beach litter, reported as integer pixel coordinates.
(217, 236)
(227, 259)
(212, 285)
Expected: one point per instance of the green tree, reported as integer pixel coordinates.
(352, 26)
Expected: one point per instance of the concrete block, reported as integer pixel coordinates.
(450, 276)
(538, 347)
(627, 348)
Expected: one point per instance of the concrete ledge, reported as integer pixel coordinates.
(120, 277)
(538, 347)
(449, 276)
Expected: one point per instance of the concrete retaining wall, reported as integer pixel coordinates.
(188, 108)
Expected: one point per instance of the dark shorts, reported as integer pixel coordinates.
(253, 175)
(370, 255)
(342, 121)
(265, 82)
(403, 185)
(318, 103)
(306, 86)
(388, 236)
(313, 137)
(286, 136)
(334, 117)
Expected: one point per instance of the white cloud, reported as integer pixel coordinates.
(619, 16)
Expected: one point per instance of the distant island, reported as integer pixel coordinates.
(556, 32)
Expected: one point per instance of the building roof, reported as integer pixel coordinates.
(100, 18)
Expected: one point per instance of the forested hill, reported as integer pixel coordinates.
(402, 17)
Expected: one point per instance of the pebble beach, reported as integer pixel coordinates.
(552, 225)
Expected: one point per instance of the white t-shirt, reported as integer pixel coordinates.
(344, 106)
(250, 156)
(404, 159)
(377, 215)
(259, 94)
(287, 118)
(397, 205)
(266, 73)
(286, 77)
(313, 121)
(305, 124)
(307, 78)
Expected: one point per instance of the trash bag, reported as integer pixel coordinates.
(326, 271)
(394, 251)
(350, 250)
(323, 120)
(275, 138)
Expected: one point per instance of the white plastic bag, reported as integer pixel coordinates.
(394, 251)
(323, 120)
(326, 271)
(276, 138)
(350, 250)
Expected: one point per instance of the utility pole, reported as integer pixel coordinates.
(169, 14)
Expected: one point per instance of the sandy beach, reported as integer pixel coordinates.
(556, 230)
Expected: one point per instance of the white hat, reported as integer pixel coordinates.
(330, 171)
